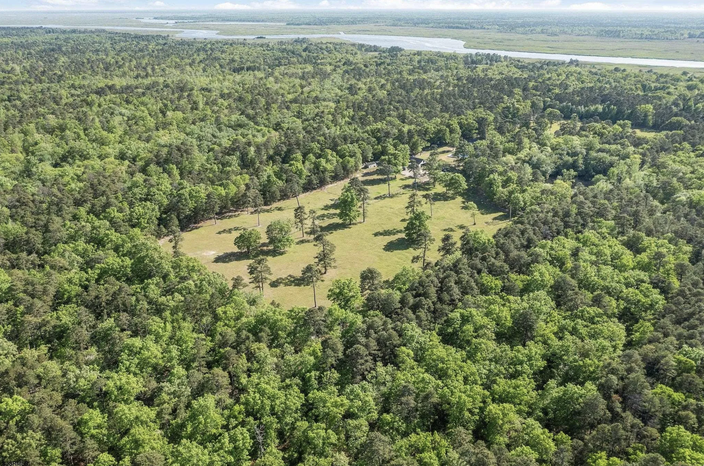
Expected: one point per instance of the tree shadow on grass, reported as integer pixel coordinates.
(267, 210)
(334, 226)
(227, 231)
(327, 216)
(388, 232)
(232, 256)
(398, 244)
(373, 181)
(227, 215)
(443, 196)
(332, 205)
(422, 187)
(288, 280)
(235, 256)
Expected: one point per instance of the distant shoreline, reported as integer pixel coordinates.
(430, 44)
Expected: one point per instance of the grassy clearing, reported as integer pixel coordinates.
(648, 133)
(377, 243)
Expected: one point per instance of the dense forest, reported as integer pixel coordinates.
(575, 336)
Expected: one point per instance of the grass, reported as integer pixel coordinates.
(648, 133)
(379, 242)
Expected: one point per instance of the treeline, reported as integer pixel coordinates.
(622, 25)
(575, 336)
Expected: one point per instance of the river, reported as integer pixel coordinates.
(433, 44)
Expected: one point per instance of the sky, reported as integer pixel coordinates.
(244, 5)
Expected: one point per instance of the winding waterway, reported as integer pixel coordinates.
(434, 44)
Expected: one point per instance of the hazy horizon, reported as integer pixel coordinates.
(264, 5)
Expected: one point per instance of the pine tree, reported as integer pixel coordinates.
(259, 272)
(430, 199)
(301, 218)
(414, 203)
(314, 229)
(325, 258)
(362, 193)
(311, 276)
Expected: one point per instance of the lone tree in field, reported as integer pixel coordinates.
(414, 203)
(311, 276)
(430, 199)
(278, 234)
(325, 258)
(301, 218)
(418, 234)
(314, 229)
(348, 206)
(249, 241)
(259, 272)
(473, 210)
(255, 202)
(362, 193)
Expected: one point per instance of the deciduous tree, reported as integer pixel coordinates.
(249, 241)
(278, 235)
(348, 206)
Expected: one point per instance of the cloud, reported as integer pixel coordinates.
(324, 3)
(276, 5)
(444, 5)
(590, 6)
(266, 5)
(158, 3)
(69, 2)
(232, 6)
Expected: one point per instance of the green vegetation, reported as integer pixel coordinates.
(619, 34)
(278, 235)
(248, 241)
(572, 335)
(379, 242)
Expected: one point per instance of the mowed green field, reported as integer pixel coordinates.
(379, 242)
